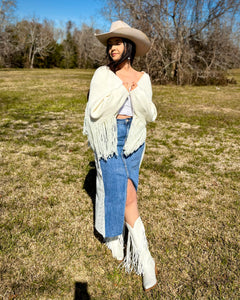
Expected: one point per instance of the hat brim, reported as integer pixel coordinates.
(138, 37)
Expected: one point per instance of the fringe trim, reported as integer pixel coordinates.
(102, 136)
(115, 244)
(134, 256)
(108, 241)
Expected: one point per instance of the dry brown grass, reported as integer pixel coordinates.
(188, 194)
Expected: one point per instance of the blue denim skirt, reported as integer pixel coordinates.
(116, 171)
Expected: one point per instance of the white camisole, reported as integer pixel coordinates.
(126, 109)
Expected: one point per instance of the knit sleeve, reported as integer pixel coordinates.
(107, 94)
(141, 98)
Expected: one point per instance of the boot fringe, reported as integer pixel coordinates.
(132, 260)
(109, 240)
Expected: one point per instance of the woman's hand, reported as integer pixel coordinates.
(133, 86)
(130, 86)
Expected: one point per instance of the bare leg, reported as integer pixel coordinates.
(131, 209)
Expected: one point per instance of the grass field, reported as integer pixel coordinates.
(189, 193)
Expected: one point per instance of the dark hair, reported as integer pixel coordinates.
(129, 52)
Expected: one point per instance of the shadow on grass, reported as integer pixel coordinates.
(90, 182)
(90, 187)
(81, 291)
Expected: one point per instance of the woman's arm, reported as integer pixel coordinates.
(107, 94)
(141, 97)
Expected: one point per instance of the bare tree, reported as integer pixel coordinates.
(36, 38)
(7, 8)
(91, 52)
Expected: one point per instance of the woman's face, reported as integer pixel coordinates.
(116, 48)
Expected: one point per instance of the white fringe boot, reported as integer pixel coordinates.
(138, 256)
(115, 244)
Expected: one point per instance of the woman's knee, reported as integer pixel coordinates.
(131, 194)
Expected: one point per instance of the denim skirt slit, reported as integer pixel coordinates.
(116, 171)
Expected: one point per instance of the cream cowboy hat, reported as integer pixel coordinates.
(123, 30)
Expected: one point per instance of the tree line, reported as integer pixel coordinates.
(34, 44)
(193, 41)
(30, 43)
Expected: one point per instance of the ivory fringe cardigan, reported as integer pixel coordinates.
(107, 95)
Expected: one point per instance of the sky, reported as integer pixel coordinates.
(61, 11)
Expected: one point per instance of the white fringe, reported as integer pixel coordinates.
(109, 240)
(102, 136)
(133, 259)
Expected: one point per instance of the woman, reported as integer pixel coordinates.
(119, 105)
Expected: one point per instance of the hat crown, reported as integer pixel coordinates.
(118, 24)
